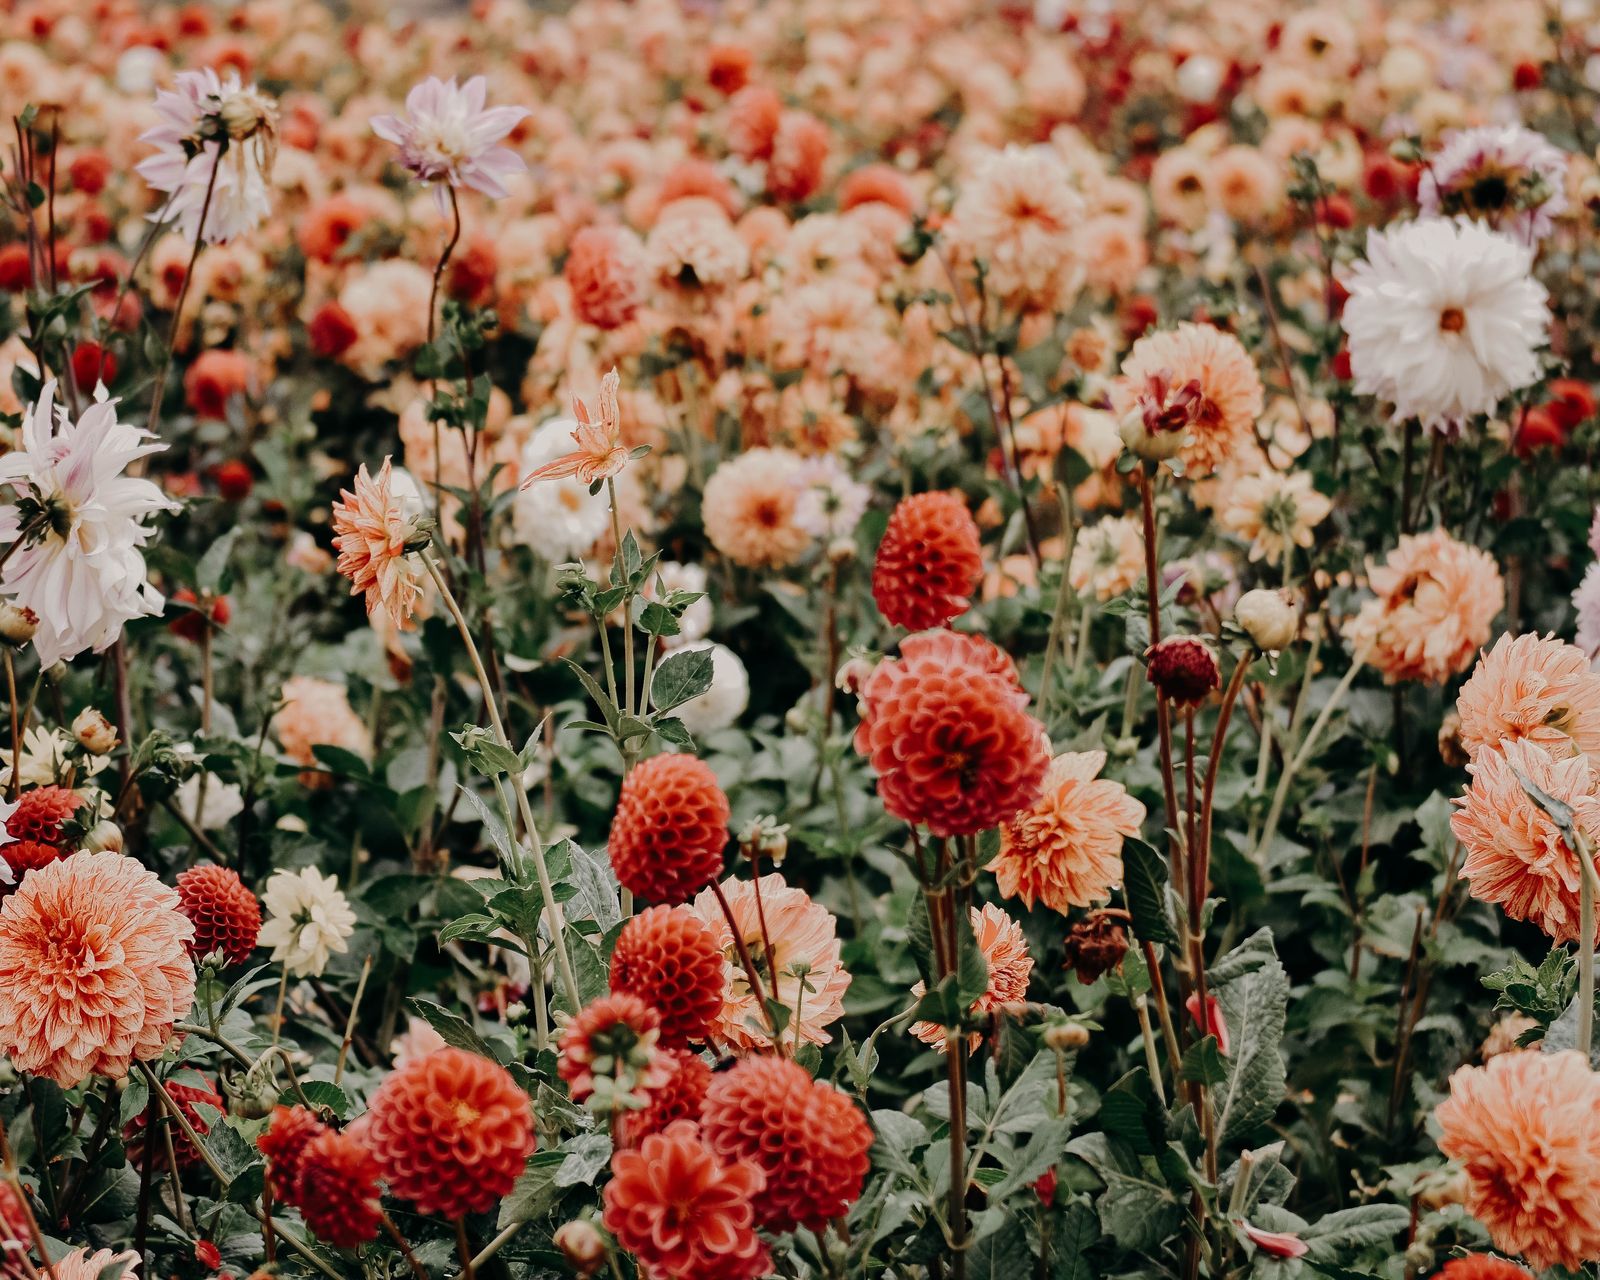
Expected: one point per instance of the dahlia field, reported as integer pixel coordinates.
(826, 639)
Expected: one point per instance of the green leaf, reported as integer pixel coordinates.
(587, 1155)
(1202, 1062)
(1043, 1149)
(1347, 1230)
(1253, 992)
(684, 675)
(1078, 1233)
(321, 1093)
(1144, 881)
(972, 970)
(535, 1193)
(213, 566)
(452, 1027)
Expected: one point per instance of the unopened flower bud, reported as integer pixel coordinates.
(96, 734)
(766, 838)
(1184, 670)
(1065, 1036)
(17, 622)
(852, 676)
(1442, 1187)
(582, 1245)
(1153, 446)
(104, 837)
(1267, 617)
(841, 551)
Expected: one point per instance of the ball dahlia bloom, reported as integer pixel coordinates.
(81, 569)
(1526, 1129)
(612, 1047)
(670, 959)
(35, 831)
(187, 1096)
(1005, 950)
(604, 272)
(449, 136)
(679, 1096)
(1535, 688)
(225, 914)
(949, 736)
(336, 1189)
(1434, 602)
(374, 535)
(752, 507)
(670, 829)
(805, 957)
(681, 1211)
(1516, 856)
(1211, 367)
(283, 1144)
(1065, 850)
(1019, 214)
(929, 562)
(1482, 1266)
(308, 919)
(94, 968)
(808, 1138)
(1444, 319)
(451, 1132)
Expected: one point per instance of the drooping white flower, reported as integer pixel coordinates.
(724, 702)
(1444, 319)
(558, 518)
(449, 136)
(308, 919)
(201, 114)
(1508, 175)
(81, 569)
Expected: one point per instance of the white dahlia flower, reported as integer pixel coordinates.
(308, 918)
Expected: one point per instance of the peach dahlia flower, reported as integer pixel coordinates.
(371, 531)
(94, 968)
(1536, 688)
(1005, 951)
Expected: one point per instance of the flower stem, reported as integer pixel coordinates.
(1586, 903)
(554, 916)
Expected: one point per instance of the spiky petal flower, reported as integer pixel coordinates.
(81, 570)
(449, 136)
(1444, 319)
(600, 454)
(373, 534)
(1005, 951)
(94, 968)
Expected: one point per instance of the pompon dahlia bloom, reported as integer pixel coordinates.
(1444, 319)
(337, 1189)
(1019, 215)
(928, 563)
(283, 1144)
(228, 189)
(1482, 1266)
(680, 1096)
(809, 1139)
(1535, 688)
(373, 534)
(186, 1096)
(1005, 951)
(225, 914)
(1205, 362)
(1108, 558)
(670, 829)
(751, 508)
(805, 955)
(614, 1045)
(451, 1132)
(1507, 175)
(35, 832)
(949, 735)
(80, 568)
(1435, 599)
(1526, 1129)
(1515, 854)
(669, 958)
(682, 1212)
(604, 272)
(81, 1264)
(308, 919)
(94, 968)
(1065, 850)
(448, 136)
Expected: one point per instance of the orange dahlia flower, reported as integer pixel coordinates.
(371, 531)
(1005, 951)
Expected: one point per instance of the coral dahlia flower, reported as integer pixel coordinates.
(681, 1211)
(1526, 1129)
(1005, 951)
(751, 509)
(670, 829)
(1020, 216)
(94, 968)
(283, 1144)
(1535, 688)
(600, 454)
(226, 915)
(337, 1189)
(614, 1046)
(680, 1096)
(374, 536)
(928, 562)
(1065, 850)
(669, 958)
(451, 1132)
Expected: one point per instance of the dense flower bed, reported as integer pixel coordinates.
(697, 641)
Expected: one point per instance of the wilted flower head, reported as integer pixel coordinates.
(308, 920)
(449, 136)
(80, 570)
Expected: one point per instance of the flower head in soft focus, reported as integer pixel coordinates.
(1005, 952)
(1444, 319)
(94, 968)
(1065, 850)
(1586, 603)
(1108, 557)
(448, 136)
(1274, 512)
(317, 712)
(832, 501)
(374, 537)
(1509, 176)
(308, 919)
(600, 454)
(1535, 688)
(752, 509)
(1526, 1129)
(81, 1264)
(215, 147)
(1019, 216)
(1434, 602)
(804, 963)
(1516, 855)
